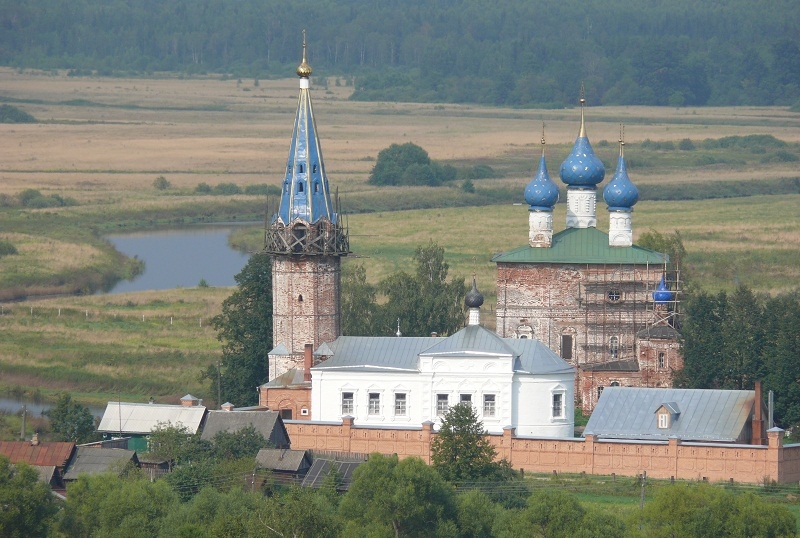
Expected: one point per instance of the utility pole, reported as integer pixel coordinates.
(22, 429)
(641, 499)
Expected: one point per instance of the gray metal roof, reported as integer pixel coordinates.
(267, 423)
(702, 415)
(379, 352)
(283, 459)
(291, 378)
(321, 468)
(139, 418)
(90, 460)
(389, 353)
(470, 340)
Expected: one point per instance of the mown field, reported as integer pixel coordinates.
(101, 143)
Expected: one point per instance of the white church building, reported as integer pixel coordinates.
(392, 381)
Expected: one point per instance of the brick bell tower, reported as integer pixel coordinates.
(307, 241)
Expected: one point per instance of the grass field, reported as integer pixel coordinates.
(103, 141)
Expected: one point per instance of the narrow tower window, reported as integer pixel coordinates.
(300, 298)
(299, 186)
(661, 361)
(316, 187)
(301, 168)
(314, 169)
(613, 347)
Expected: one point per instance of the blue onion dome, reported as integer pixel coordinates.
(662, 294)
(542, 192)
(473, 298)
(621, 193)
(582, 168)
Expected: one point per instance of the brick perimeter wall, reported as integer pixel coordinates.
(687, 461)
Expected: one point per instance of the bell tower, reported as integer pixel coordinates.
(307, 241)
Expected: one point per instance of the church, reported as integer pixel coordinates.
(577, 311)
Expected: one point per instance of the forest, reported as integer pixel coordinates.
(523, 54)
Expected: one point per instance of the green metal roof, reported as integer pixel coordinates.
(581, 245)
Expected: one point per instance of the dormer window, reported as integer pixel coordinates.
(663, 421)
(666, 414)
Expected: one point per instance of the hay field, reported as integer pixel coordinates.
(103, 142)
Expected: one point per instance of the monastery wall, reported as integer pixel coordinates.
(682, 460)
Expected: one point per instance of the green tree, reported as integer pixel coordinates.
(243, 443)
(161, 183)
(103, 506)
(359, 309)
(424, 302)
(389, 497)
(71, 421)
(460, 451)
(707, 511)
(27, 505)
(175, 444)
(393, 161)
(245, 329)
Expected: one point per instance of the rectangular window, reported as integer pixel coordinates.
(400, 405)
(558, 405)
(660, 361)
(488, 405)
(663, 421)
(442, 404)
(374, 403)
(566, 347)
(466, 398)
(347, 403)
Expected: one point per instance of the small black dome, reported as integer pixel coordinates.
(474, 298)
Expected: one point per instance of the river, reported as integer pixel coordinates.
(181, 257)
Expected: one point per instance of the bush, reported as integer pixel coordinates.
(227, 189)
(203, 188)
(7, 249)
(686, 145)
(12, 114)
(34, 199)
(161, 183)
(263, 189)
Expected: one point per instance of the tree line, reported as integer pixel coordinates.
(516, 54)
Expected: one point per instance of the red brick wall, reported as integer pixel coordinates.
(296, 399)
(688, 461)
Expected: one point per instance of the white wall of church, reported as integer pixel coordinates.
(500, 397)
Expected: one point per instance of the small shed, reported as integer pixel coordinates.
(284, 461)
(89, 460)
(267, 423)
(321, 469)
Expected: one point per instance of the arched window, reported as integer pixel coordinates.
(299, 186)
(299, 298)
(613, 347)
